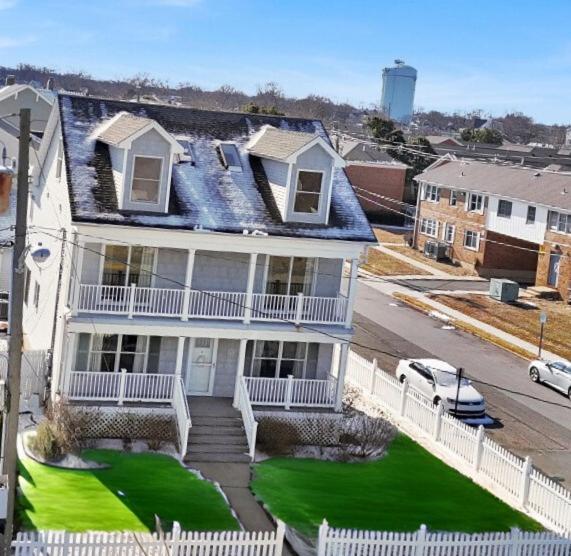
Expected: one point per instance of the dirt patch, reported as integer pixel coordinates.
(385, 265)
(449, 267)
(387, 235)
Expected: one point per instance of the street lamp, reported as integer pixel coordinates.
(542, 321)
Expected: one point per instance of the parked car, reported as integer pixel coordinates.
(438, 381)
(555, 373)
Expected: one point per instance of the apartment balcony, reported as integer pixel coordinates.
(184, 304)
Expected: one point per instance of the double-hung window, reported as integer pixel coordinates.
(308, 191)
(290, 275)
(453, 197)
(125, 265)
(504, 208)
(475, 202)
(559, 222)
(145, 185)
(275, 359)
(449, 231)
(429, 227)
(471, 240)
(531, 211)
(432, 193)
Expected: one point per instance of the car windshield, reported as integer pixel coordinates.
(447, 378)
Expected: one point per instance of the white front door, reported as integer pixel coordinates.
(202, 363)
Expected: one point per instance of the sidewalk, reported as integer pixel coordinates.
(390, 288)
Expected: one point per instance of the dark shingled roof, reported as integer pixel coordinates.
(203, 195)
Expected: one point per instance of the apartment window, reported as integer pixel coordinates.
(530, 219)
(453, 198)
(273, 359)
(114, 352)
(36, 295)
(59, 162)
(27, 280)
(125, 265)
(475, 202)
(146, 180)
(308, 191)
(230, 156)
(432, 193)
(290, 275)
(471, 240)
(504, 208)
(429, 227)
(449, 231)
(559, 222)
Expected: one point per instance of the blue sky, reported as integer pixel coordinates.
(497, 55)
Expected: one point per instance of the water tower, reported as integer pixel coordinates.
(397, 100)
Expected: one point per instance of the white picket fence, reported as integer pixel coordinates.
(33, 371)
(177, 543)
(468, 449)
(350, 542)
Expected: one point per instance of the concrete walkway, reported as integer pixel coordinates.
(390, 288)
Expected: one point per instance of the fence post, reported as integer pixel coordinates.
(280, 534)
(299, 308)
(403, 395)
(478, 449)
(515, 544)
(122, 380)
(322, 538)
(132, 300)
(524, 489)
(288, 392)
(175, 538)
(438, 422)
(420, 541)
(374, 375)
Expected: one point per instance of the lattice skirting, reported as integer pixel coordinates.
(130, 422)
(316, 429)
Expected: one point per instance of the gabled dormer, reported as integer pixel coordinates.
(299, 167)
(142, 153)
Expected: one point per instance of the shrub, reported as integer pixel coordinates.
(368, 436)
(45, 443)
(69, 425)
(154, 444)
(277, 437)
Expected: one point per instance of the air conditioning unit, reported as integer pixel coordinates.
(504, 290)
(436, 250)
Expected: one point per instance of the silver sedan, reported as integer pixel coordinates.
(555, 373)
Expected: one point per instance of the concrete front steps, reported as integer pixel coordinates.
(217, 433)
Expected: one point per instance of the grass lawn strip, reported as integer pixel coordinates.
(418, 256)
(387, 235)
(518, 319)
(400, 492)
(384, 265)
(125, 496)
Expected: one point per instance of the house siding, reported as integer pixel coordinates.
(27, 99)
(226, 368)
(171, 265)
(555, 244)
(277, 174)
(516, 225)
(328, 277)
(216, 271)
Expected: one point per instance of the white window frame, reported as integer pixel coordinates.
(118, 352)
(230, 167)
(36, 295)
(424, 227)
(479, 209)
(320, 195)
(129, 255)
(59, 161)
(448, 227)
(527, 219)
(314, 272)
(507, 216)
(160, 183)
(280, 357)
(453, 197)
(476, 235)
(431, 193)
(561, 220)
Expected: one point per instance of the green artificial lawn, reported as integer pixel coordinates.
(406, 488)
(125, 496)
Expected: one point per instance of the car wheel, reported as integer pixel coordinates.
(436, 401)
(402, 379)
(534, 374)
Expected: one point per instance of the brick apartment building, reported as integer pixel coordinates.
(501, 221)
(375, 171)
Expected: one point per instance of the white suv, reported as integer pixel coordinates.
(438, 381)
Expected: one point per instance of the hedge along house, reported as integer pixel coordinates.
(502, 221)
(206, 256)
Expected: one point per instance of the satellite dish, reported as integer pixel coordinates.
(41, 255)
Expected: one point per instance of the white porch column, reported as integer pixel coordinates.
(343, 354)
(250, 288)
(240, 369)
(68, 364)
(78, 266)
(187, 283)
(179, 356)
(352, 292)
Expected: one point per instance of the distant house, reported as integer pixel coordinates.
(500, 220)
(373, 170)
(443, 140)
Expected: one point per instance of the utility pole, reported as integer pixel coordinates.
(542, 321)
(15, 327)
(460, 374)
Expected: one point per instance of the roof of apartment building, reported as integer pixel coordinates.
(204, 195)
(358, 151)
(524, 184)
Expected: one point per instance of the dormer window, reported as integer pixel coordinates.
(146, 179)
(188, 154)
(308, 191)
(230, 156)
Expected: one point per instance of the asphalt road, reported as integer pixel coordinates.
(530, 419)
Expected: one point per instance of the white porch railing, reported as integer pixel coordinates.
(182, 413)
(250, 423)
(291, 392)
(184, 304)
